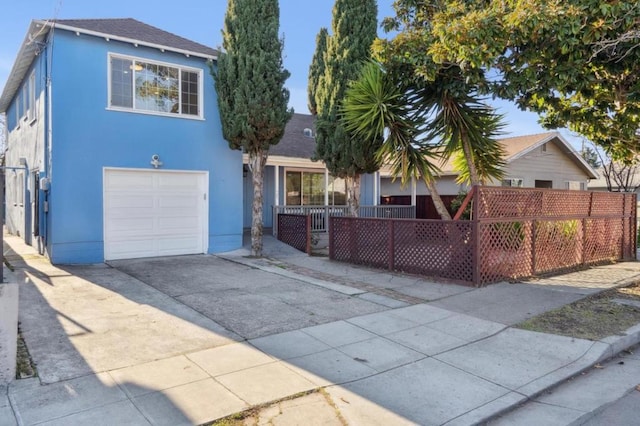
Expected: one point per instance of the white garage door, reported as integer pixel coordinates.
(151, 213)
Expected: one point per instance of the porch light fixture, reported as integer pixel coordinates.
(135, 67)
(155, 161)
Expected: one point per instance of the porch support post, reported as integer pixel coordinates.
(276, 179)
(413, 191)
(376, 188)
(276, 201)
(326, 187)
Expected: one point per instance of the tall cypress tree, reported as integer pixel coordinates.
(252, 99)
(317, 69)
(353, 27)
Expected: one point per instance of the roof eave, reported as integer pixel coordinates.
(24, 59)
(128, 40)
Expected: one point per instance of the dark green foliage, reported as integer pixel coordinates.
(250, 76)
(591, 157)
(457, 202)
(353, 28)
(251, 95)
(317, 69)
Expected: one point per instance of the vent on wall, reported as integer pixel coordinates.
(308, 132)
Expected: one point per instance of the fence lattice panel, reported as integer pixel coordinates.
(515, 233)
(434, 248)
(604, 241)
(557, 245)
(295, 230)
(504, 250)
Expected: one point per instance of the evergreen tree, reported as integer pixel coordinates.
(317, 69)
(353, 26)
(252, 98)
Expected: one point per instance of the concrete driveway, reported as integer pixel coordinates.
(186, 340)
(80, 320)
(247, 301)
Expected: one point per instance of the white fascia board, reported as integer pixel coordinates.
(278, 160)
(128, 40)
(541, 142)
(23, 61)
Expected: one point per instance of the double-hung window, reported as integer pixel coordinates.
(154, 87)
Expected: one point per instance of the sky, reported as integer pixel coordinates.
(202, 21)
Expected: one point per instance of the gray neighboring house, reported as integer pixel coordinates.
(544, 160)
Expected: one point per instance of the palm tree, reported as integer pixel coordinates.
(376, 106)
(465, 126)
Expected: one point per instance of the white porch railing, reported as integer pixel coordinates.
(320, 214)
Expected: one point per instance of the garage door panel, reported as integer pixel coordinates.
(154, 213)
(129, 181)
(178, 181)
(118, 202)
(133, 225)
(180, 201)
(171, 246)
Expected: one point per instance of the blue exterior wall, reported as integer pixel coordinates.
(88, 137)
(26, 141)
(268, 198)
(367, 183)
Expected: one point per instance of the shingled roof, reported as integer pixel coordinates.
(294, 143)
(127, 30)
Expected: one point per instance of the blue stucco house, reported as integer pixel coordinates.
(114, 145)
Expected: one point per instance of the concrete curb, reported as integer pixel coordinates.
(599, 352)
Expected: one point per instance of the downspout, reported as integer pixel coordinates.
(47, 143)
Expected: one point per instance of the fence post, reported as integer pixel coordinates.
(476, 252)
(391, 242)
(584, 241)
(274, 231)
(353, 242)
(634, 225)
(325, 224)
(533, 246)
(330, 220)
(309, 234)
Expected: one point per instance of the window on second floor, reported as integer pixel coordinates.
(154, 87)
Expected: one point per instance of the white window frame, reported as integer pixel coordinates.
(180, 68)
(31, 104)
(18, 117)
(25, 101)
(575, 185)
(512, 180)
(18, 180)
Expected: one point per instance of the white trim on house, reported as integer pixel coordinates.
(180, 68)
(135, 42)
(568, 150)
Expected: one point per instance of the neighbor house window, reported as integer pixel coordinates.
(576, 185)
(513, 182)
(307, 188)
(154, 87)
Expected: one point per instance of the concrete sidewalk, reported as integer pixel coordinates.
(428, 353)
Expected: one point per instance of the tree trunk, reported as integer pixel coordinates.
(468, 155)
(353, 194)
(257, 162)
(437, 200)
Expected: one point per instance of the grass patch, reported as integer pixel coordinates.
(24, 365)
(243, 417)
(593, 318)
